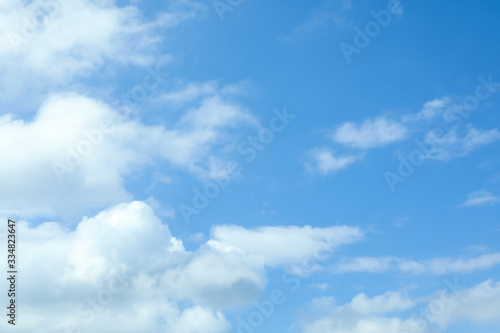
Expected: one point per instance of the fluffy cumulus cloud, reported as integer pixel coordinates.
(325, 161)
(107, 273)
(286, 246)
(123, 270)
(76, 152)
(395, 312)
(479, 304)
(362, 314)
(380, 131)
(371, 133)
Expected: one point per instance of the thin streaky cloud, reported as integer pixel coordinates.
(333, 12)
(437, 266)
(481, 198)
(455, 144)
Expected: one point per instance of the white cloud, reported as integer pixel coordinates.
(449, 265)
(371, 133)
(432, 266)
(391, 301)
(187, 93)
(388, 312)
(383, 130)
(434, 108)
(365, 264)
(324, 161)
(49, 43)
(452, 145)
(283, 245)
(190, 92)
(56, 138)
(214, 278)
(478, 304)
(369, 324)
(481, 198)
(198, 319)
(163, 286)
(127, 240)
(361, 315)
(430, 110)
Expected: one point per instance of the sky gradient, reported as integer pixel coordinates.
(252, 166)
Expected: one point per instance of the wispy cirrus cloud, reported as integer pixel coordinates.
(190, 92)
(453, 144)
(437, 266)
(481, 198)
(331, 12)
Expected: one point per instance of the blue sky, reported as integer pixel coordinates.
(250, 166)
